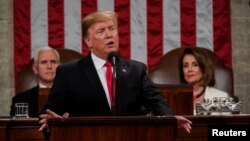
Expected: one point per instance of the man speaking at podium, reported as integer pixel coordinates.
(102, 83)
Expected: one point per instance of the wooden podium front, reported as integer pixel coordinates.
(23, 130)
(117, 128)
(201, 124)
(3, 125)
(113, 129)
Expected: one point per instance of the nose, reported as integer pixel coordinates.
(108, 33)
(190, 68)
(49, 65)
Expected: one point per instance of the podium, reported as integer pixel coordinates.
(154, 128)
(3, 125)
(113, 129)
(201, 126)
(129, 128)
(22, 130)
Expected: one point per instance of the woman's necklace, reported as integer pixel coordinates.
(200, 94)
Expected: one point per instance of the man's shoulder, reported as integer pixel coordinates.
(71, 63)
(28, 93)
(69, 66)
(132, 62)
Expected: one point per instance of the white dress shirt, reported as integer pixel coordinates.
(101, 70)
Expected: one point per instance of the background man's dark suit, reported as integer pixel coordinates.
(30, 96)
(77, 89)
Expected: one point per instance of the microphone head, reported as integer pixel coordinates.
(113, 56)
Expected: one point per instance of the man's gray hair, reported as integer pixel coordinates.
(46, 48)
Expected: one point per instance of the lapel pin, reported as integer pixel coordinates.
(124, 70)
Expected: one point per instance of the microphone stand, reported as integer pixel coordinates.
(113, 102)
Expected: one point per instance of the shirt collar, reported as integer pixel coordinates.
(42, 86)
(98, 62)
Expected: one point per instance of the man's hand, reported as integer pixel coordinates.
(184, 123)
(49, 114)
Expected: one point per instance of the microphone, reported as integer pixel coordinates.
(112, 58)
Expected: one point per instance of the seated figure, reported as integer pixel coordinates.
(196, 68)
(166, 70)
(46, 61)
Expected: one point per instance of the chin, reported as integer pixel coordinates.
(112, 50)
(49, 79)
(191, 82)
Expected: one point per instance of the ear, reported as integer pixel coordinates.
(34, 68)
(88, 42)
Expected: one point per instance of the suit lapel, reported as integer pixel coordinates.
(121, 83)
(88, 69)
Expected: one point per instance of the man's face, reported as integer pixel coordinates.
(46, 65)
(103, 38)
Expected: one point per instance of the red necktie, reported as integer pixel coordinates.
(109, 79)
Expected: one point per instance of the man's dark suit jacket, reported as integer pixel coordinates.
(30, 96)
(77, 89)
